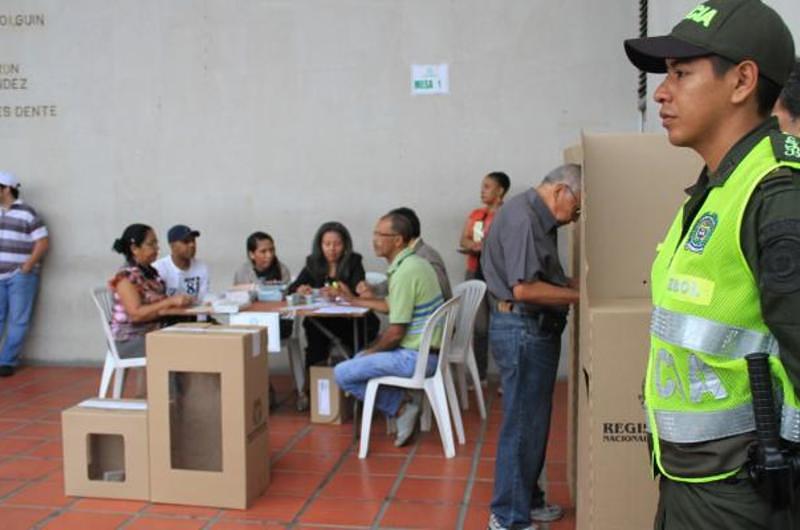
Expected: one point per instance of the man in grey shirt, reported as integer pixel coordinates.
(529, 297)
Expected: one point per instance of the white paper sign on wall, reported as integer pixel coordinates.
(429, 79)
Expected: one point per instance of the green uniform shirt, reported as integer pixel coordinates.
(770, 239)
(414, 295)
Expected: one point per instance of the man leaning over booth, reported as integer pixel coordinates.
(726, 278)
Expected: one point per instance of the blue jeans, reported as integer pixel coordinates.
(528, 361)
(17, 295)
(354, 374)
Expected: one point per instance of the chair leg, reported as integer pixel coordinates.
(105, 378)
(476, 382)
(455, 410)
(366, 418)
(119, 381)
(425, 417)
(434, 389)
(463, 394)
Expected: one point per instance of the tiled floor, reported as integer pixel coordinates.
(317, 479)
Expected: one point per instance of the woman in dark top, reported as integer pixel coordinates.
(332, 260)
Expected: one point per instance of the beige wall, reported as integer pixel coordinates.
(233, 116)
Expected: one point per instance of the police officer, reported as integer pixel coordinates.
(726, 279)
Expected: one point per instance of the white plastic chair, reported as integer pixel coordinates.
(434, 386)
(113, 364)
(462, 354)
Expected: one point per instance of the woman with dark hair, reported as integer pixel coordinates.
(494, 187)
(331, 262)
(263, 265)
(139, 293)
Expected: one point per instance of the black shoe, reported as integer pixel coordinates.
(6, 370)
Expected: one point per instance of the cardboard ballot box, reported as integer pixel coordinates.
(209, 402)
(105, 449)
(328, 404)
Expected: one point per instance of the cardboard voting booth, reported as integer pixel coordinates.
(208, 408)
(632, 187)
(106, 449)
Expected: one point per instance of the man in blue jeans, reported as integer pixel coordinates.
(23, 243)
(414, 294)
(529, 297)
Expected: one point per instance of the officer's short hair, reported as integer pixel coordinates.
(790, 95)
(569, 174)
(767, 91)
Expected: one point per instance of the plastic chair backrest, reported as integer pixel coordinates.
(471, 293)
(104, 301)
(443, 317)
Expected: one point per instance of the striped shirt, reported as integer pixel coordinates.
(20, 228)
(414, 294)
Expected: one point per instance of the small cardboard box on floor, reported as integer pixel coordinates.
(208, 408)
(105, 449)
(328, 404)
(632, 187)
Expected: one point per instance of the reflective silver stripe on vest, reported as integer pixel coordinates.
(790, 424)
(707, 336)
(693, 427)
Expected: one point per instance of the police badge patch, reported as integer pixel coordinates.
(701, 232)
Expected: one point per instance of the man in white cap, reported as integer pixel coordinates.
(23, 242)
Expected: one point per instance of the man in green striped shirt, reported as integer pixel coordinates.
(414, 295)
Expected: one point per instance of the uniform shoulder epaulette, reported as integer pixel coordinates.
(785, 146)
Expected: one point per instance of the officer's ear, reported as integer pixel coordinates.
(744, 77)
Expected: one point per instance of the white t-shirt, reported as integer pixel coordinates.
(194, 281)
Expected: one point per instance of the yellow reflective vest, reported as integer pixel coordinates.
(706, 318)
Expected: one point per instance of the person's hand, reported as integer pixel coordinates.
(25, 268)
(181, 300)
(343, 291)
(573, 283)
(364, 290)
(304, 289)
(477, 246)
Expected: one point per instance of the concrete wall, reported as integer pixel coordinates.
(282, 114)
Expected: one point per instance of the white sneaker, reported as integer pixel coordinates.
(494, 524)
(547, 513)
(405, 423)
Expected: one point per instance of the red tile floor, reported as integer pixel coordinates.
(317, 480)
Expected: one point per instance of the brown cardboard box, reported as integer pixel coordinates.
(632, 187)
(208, 403)
(328, 404)
(105, 449)
(616, 487)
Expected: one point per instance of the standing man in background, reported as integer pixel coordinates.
(23, 243)
(733, 251)
(529, 296)
(181, 272)
(787, 108)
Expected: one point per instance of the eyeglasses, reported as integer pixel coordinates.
(577, 210)
(384, 234)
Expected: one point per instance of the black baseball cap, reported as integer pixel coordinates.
(181, 233)
(737, 30)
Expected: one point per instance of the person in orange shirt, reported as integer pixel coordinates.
(494, 187)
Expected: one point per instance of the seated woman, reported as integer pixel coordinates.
(264, 267)
(139, 293)
(331, 261)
